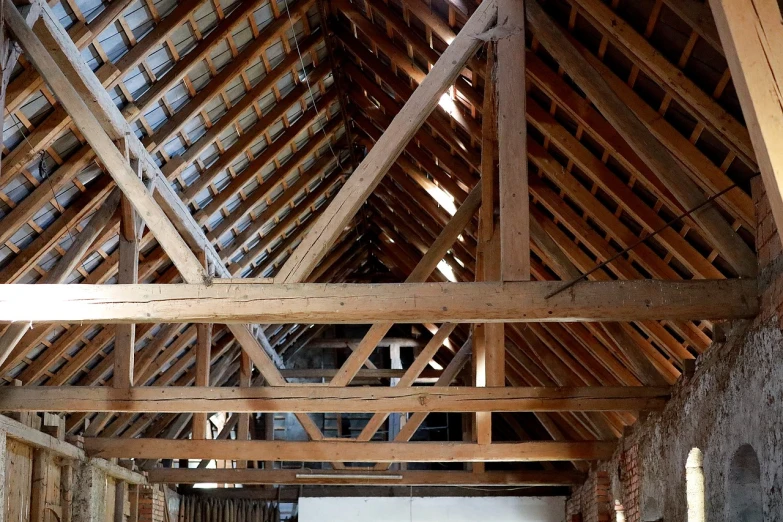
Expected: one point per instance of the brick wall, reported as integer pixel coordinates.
(769, 251)
(630, 479)
(592, 501)
(732, 400)
(152, 504)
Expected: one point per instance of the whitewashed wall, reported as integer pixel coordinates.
(432, 509)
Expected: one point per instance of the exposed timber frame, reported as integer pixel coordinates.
(243, 302)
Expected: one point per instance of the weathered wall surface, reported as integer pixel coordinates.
(735, 398)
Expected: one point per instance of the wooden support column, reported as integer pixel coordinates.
(752, 36)
(203, 362)
(128, 273)
(512, 143)
(488, 338)
(396, 364)
(3, 482)
(243, 424)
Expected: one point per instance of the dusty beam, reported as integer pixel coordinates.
(315, 399)
(354, 478)
(312, 303)
(347, 451)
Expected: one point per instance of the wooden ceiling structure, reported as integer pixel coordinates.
(562, 186)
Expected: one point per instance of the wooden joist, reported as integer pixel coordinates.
(751, 35)
(318, 399)
(347, 451)
(356, 478)
(314, 303)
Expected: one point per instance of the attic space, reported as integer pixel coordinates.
(391, 260)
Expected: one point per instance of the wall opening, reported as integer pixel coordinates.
(744, 486)
(694, 486)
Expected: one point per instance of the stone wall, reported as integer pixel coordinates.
(733, 400)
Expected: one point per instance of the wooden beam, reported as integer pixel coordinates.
(360, 478)
(341, 210)
(347, 451)
(128, 273)
(512, 141)
(314, 303)
(67, 264)
(203, 364)
(751, 35)
(641, 140)
(318, 399)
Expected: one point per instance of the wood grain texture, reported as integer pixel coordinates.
(316, 399)
(347, 451)
(369, 303)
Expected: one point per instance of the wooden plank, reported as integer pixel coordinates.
(316, 399)
(512, 144)
(354, 478)
(751, 35)
(361, 183)
(641, 140)
(315, 303)
(347, 451)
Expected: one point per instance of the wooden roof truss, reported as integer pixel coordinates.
(262, 153)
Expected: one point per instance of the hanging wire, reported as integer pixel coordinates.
(657, 231)
(43, 170)
(307, 82)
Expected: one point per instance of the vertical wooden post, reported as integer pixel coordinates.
(512, 143)
(269, 434)
(66, 491)
(203, 361)
(488, 339)
(243, 424)
(39, 483)
(128, 273)
(394, 418)
(3, 482)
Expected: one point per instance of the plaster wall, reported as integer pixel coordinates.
(432, 509)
